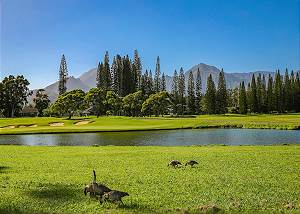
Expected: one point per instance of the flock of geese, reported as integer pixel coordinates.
(105, 194)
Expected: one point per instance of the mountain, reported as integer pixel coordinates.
(232, 79)
(52, 90)
(88, 79)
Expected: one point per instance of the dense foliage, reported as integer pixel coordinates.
(122, 89)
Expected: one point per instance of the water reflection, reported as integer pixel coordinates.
(162, 138)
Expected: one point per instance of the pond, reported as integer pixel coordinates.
(181, 137)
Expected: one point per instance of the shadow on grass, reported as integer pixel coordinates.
(18, 210)
(3, 169)
(56, 192)
(135, 208)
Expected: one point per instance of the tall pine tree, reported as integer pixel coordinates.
(175, 93)
(297, 92)
(106, 72)
(198, 92)
(278, 95)
(150, 83)
(264, 95)
(191, 93)
(259, 93)
(157, 81)
(100, 76)
(242, 99)
(253, 103)
(287, 92)
(210, 96)
(163, 82)
(270, 95)
(63, 76)
(138, 69)
(181, 91)
(221, 96)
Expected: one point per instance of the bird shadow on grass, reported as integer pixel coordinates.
(56, 193)
(139, 208)
(3, 169)
(18, 210)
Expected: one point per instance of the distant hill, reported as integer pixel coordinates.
(88, 79)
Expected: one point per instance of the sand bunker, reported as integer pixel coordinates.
(10, 127)
(56, 124)
(82, 122)
(27, 126)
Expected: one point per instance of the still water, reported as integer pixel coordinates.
(159, 138)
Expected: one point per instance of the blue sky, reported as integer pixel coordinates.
(240, 35)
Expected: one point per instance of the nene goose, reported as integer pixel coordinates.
(114, 196)
(174, 163)
(191, 163)
(96, 189)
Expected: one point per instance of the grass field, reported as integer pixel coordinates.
(41, 125)
(253, 179)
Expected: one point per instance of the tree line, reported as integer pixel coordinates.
(123, 89)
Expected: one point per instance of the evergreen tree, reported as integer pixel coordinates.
(63, 76)
(270, 95)
(163, 82)
(106, 72)
(134, 78)
(138, 69)
(264, 95)
(127, 77)
(198, 92)
(293, 90)
(259, 93)
(175, 93)
(114, 71)
(248, 93)
(119, 75)
(242, 99)
(287, 92)
(297, 93)
(181, 91)
(144, 79)
(150, 83)
(157, 82)
(100, 77)
(221, 96)
(253, 103)
(191, 93)
(210, 96)
(278, 95)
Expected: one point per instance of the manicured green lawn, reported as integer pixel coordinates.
(41, 125)
(233, 178)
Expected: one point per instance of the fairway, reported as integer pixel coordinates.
(114, 123)
(233, 178)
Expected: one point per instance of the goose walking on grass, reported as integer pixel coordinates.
(96, 189)
(174, 163)
(191, 163)
(114, 196)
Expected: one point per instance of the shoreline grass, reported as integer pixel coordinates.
(235, 179)
(118, 124)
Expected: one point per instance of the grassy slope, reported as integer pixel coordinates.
(291, 121)
(234, 178)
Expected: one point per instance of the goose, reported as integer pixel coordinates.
(114, 196)
(96, 189)
(191, 163)
(174, 163)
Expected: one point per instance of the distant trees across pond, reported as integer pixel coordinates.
(123, 89)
